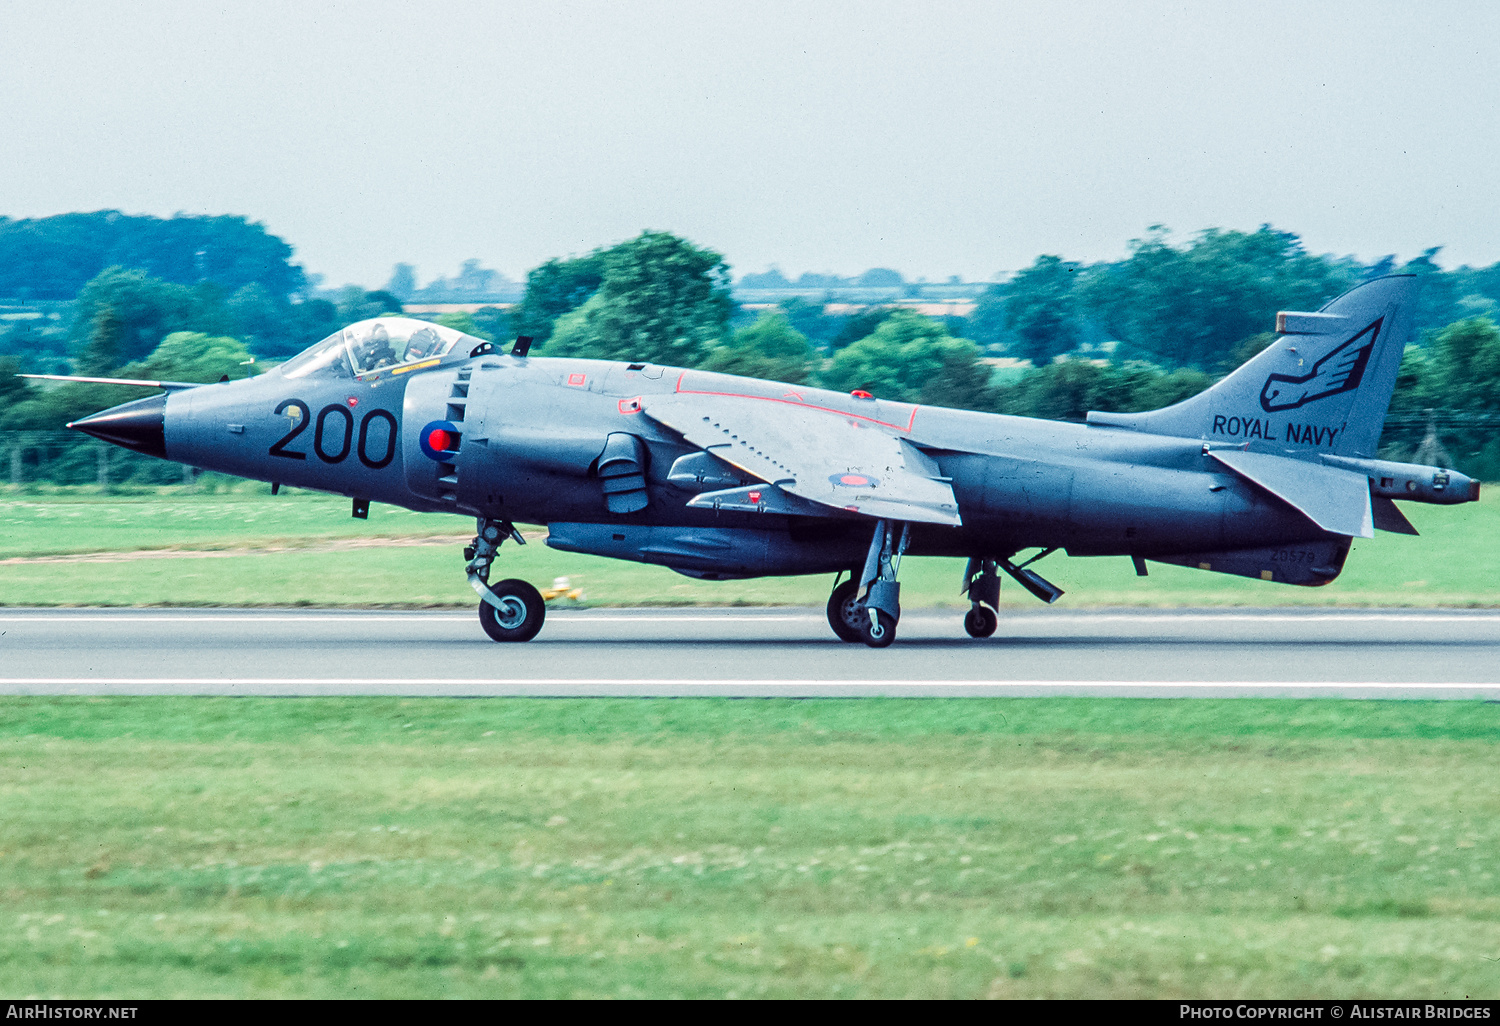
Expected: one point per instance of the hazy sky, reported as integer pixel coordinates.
(935, 138)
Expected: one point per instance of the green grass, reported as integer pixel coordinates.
(168, 847)
(44, 525)
(287, 551)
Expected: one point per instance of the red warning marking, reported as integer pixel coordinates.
(630, 405)
(755, 496)
(860, 393)
(911, 418)
(353, 401)
(577, 379)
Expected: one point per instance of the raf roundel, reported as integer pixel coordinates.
(854, 481)
(439, 440)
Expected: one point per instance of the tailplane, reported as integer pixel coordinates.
(1323, 386)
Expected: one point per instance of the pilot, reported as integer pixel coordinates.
(424, 343)
(377, 350)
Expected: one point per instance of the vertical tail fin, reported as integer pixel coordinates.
(1324, 384)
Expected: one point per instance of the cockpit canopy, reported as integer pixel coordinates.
(369, 347)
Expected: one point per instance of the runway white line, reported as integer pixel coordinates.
(672, 682)
(364, 617)
(604, 616)
(1340, 617)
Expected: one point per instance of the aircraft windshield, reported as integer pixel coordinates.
(371, 346)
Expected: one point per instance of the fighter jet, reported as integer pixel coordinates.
(1268, 474)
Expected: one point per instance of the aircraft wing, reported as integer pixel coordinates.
(834, 459)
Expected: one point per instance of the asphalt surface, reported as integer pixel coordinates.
(753, 652)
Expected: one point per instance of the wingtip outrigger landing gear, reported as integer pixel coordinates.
(866, 608)
(511, 610)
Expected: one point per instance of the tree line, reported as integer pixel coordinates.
(1205, 303)
(51, 258)
(1135, 334)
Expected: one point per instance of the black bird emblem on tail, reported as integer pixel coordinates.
(1339, 371)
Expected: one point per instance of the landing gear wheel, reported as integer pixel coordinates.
(880, 633)
(981, 622)
(844, 615)
(520, 614)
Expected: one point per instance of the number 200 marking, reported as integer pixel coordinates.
(320, 430)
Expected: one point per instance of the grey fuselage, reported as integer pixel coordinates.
(531, 430)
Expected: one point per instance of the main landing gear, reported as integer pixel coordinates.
(511, 610)
(866, 608)
(844, 614)
(982, 585)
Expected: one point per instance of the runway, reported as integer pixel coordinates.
(753, 652)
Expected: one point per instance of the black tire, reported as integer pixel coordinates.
(981, 622)
(844, 616)
(882, 632)
(521, 616)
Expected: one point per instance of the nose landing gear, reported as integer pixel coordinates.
(516, 614)
(511, 610)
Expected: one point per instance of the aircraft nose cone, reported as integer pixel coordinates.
(139, 425)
